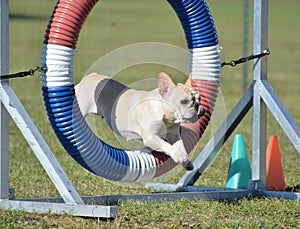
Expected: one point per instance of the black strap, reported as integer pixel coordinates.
(30, 72)
(233, 63)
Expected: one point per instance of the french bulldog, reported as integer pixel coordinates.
(152, 117)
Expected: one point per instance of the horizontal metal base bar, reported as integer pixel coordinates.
(180, 188)
(47, 206)
(193, 196)
(156, 197)
(251, 192)
(96, 206)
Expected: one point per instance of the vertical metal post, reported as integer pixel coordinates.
(245, 43)
(259, 107)
(4, 171)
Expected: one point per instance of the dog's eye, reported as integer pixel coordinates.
(185, 101)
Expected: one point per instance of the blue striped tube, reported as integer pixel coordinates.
(61, 104)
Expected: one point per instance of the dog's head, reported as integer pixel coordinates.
(181, 102)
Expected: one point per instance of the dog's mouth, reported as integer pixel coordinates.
(196, 103)
(190, 114)
(200, 110)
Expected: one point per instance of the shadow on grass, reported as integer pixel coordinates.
(15, 16)
(295, 188)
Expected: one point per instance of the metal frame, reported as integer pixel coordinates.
(259, 95)
(11, 106)
(246, 42)
(4, 170)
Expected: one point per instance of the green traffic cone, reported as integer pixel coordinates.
(239, 172)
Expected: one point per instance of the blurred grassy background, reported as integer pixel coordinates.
(114, 24)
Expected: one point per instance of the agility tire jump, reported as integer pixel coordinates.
(63, 111)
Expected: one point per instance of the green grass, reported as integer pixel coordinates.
(112, 25)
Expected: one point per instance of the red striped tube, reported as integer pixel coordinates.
(61, 104)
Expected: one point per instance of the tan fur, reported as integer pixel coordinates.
(150, 116)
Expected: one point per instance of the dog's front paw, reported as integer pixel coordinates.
(188, 165)
(179, 154)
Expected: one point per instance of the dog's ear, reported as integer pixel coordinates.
(186, 87)
(188, 82)
(164, 83)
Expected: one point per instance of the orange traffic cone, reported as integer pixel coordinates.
(274, 170)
